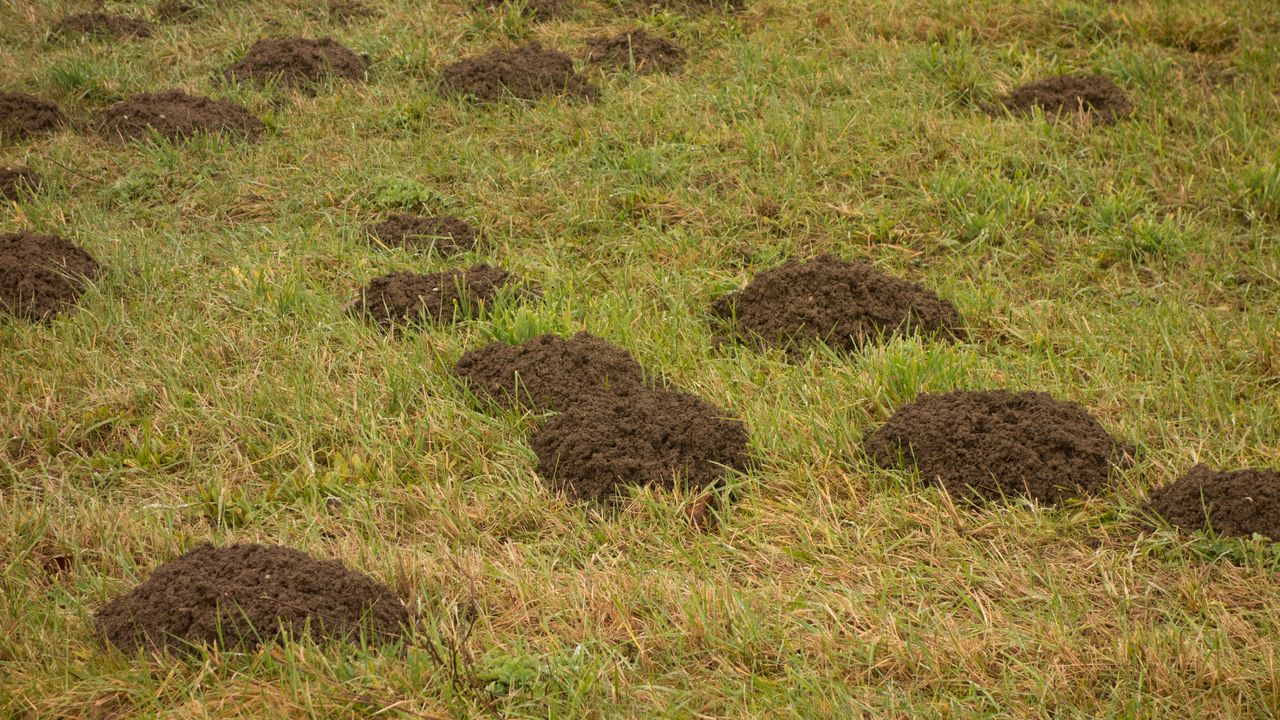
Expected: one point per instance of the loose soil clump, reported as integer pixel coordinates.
(242, 596)
(643, 437)
(1092, 96)
(344, 11)
(527, 72)
(538, 10)
(406, 298)
(1235, 503)
(16, 180)
(22, 115)
(448, 235)
(844, 304)
(42, 275)
(548, 372)
(298, 61)
(100, 24)
(984, 445)
(638, 49)
(175, 115)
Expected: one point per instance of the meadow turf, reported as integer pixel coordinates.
(210, 386)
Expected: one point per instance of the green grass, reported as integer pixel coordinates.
(211, 388)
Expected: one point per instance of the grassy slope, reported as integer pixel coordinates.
(211, 388)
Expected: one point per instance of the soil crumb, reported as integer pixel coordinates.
(100, 24)
(22, 115)
(345, 11)
(844, 304)
(1094, 96)
(16, 180)
(548, 372)
(642, 437)
(174, 114)
(448, 235)
(538, 10)
(42, 275)
(638, 49)
(242, 596)
(405, 298)
(298, 61)
(982, 445)
(1234, 503)
(527, 72)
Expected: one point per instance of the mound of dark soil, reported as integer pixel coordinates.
(641, 437)
(22, 115)
(344, 11)
(638, 49)
(100, 24)
(16, 180)
(527, 72)
(540, 10)
(175, 115)
(178, 10)
(41, 275)
(1230, 503)
(982, 445)
(298, 61)
(405, 298)
(548, 372)
(1092, 95)
(246, 595)
(845, 304)
(446, 234)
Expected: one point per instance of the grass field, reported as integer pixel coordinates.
(210, 387)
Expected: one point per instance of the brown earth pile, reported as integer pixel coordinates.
(406, 298)
(102, 24)
(640, 437)
(344, 11)
(1236, 503)
(540, 10)
(1094, 96)
(448, 235)
(22, 115)
(42, 275)
(175, 115)
(527, 72)
(638, 49)
(844, 304)
(298, 61)
(549, 372)
(242, 596)
(982, 445)
(16, 180)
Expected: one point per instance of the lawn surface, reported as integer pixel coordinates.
(211, 388)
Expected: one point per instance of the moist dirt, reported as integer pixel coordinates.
(638, 49)
(298, 62)
(537, 10)
(984, 445)
(446, 234)
(243, 596)
(405, 298)
(22, 115)
(14, 181)
(176, 115)
(844, 304)
(527, 72)
(548, 372)
(1236, 503)
(42, 275)
(1093, 96)
(103, 25)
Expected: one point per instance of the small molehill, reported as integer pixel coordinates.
(243, 596)
(844, 304)
(16, 180)
(22, 115)
(42, 275)
(982, 445)
(641, 437)
(406, 298)
(539, 10)
(1236, 503)
(345, 11)
(174, 114)
(178, 10)
(1093, 96)
(104, 25)
(448, 235)
(548, 372)
(527, 72)
(298, 61)
(638, 49)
